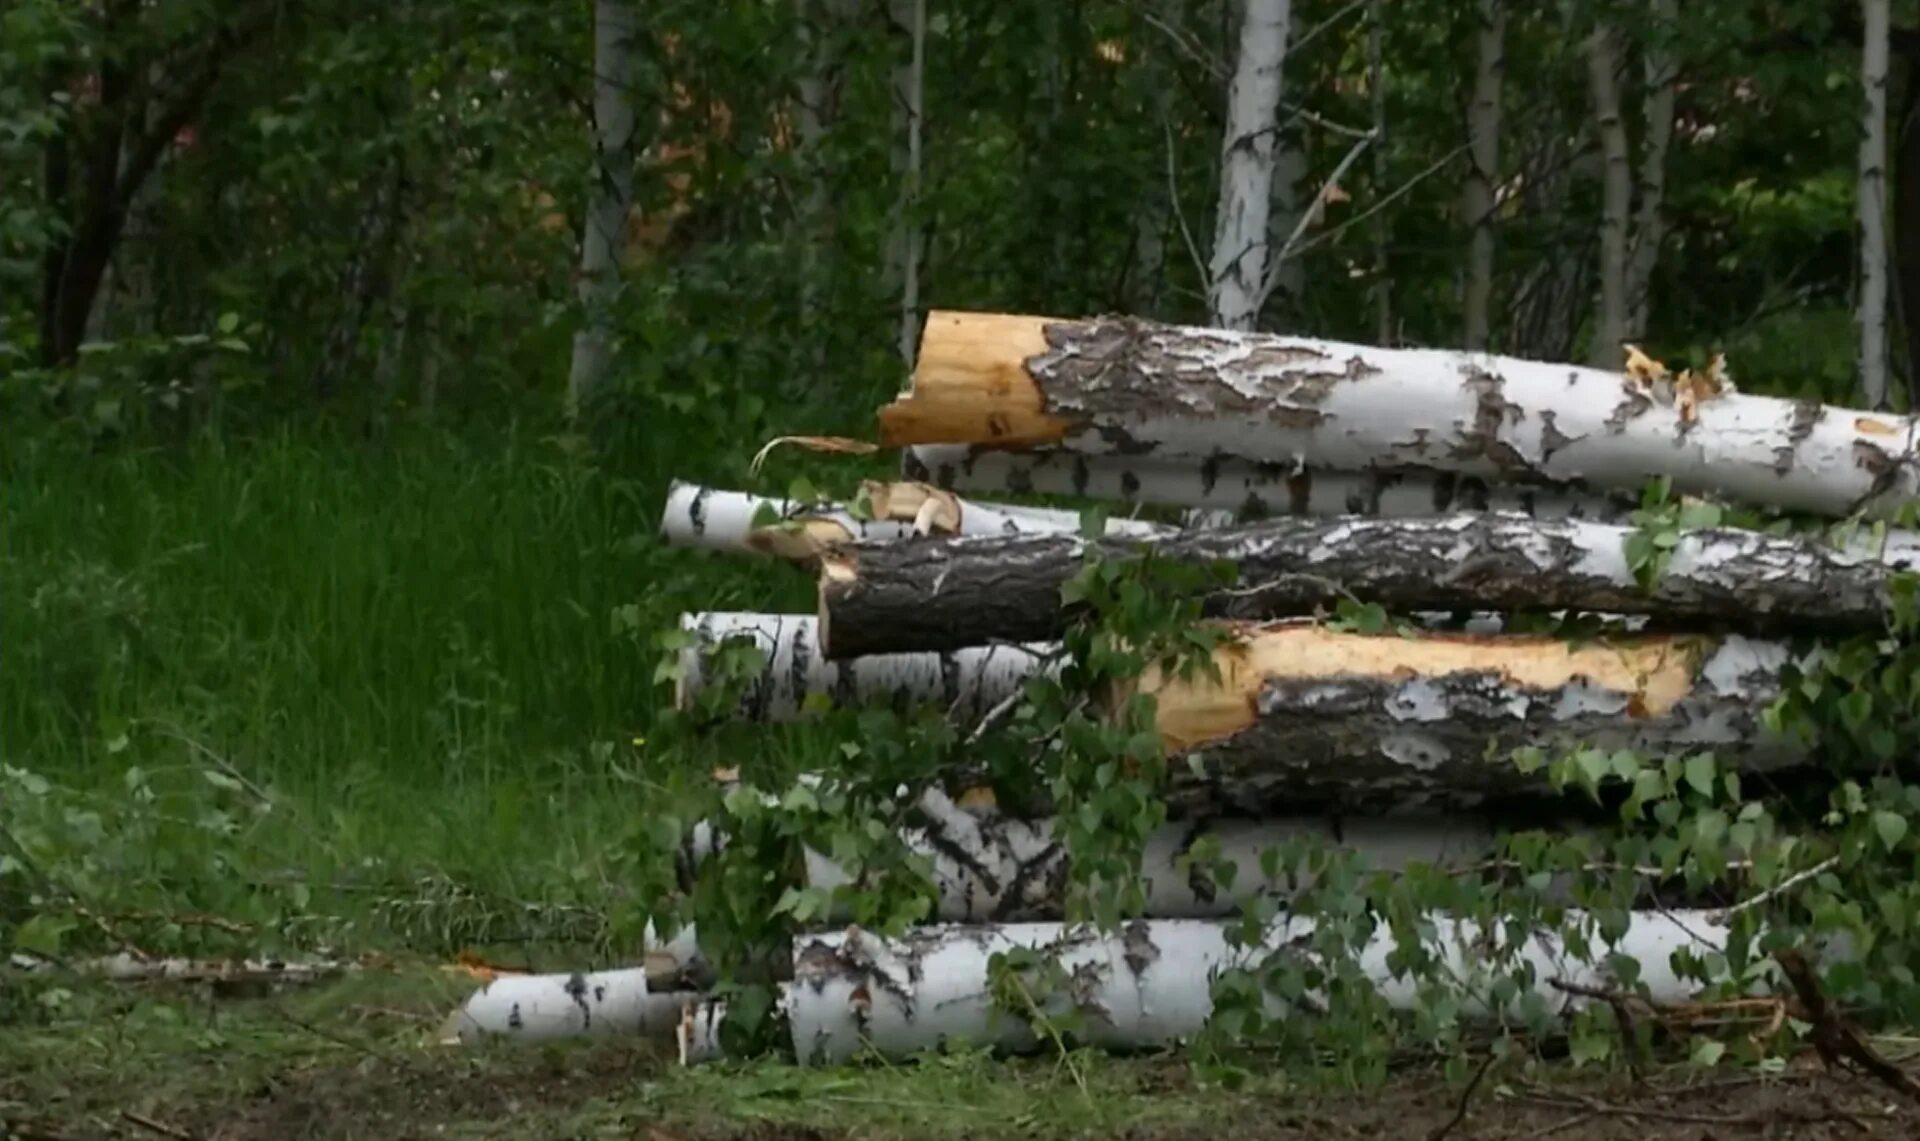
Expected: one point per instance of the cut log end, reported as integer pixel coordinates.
(971, 383)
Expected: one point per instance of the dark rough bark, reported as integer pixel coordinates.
(950, 593)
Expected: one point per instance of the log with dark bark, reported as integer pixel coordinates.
(945, 594)
(1120, 385)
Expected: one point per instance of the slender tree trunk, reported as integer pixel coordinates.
(1873, 205)
(1247, 160)
(1377, 89)
(616, 27)
(1650, 230)
(1483, 140)
(1906, 221)
(908, 20)
(1616, 197)
(822, 24)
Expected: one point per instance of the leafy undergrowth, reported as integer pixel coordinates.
(358, 1058)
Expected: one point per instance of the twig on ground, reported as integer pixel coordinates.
(1835, 1040)
(160, 1127)
(1466, 1098)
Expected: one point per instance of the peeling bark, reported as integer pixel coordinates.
(969, 682)
(1151, 983)
(1249, 490)
(717, 520)
(1130, 387)
(1238, 269)
(946, 594)
(539, 1008)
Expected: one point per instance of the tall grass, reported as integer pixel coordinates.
(410, 644)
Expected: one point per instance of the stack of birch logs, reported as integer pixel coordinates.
(1452, 489)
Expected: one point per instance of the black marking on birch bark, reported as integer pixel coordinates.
(1020, 478)
(1129, 485)
(1199, 878)
(1138, 947)
(940, 842)
(950, 680)
(1081, 473)
(1528, 504)
(1632, 408)
(1253, 507)
(697, 511)
(1300, 492)
(1422, 438)
(801, 656)
(577, 991)
(1475, 493)
(1049, 861)
(1491, 412)
(1444, 484)
(514, 1021)
(1552, 439)
(915, 468)
(1209, 473)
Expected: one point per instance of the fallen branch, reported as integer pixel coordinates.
(535, 1008)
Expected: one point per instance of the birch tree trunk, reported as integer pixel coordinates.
(1150, 984)
(1873, 205)
(1119, 386)
(739, 522)
(908, 18)
(616, 26)
(821, 24)
(1483, 150)
(1377, 90)
(1616, 196)
(1650, 230)
(878, 598)
(1249, 490)
(1238, 268)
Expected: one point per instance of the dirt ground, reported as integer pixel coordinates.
(360, 1061)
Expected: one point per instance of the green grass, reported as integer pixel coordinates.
(396, 661)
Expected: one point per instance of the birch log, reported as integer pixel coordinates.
(967, 682)
(945, 594)
(717, 520)
(1123, 386)
(538, 1008)
(1151, 984)
(987, 865)
(1249, 490)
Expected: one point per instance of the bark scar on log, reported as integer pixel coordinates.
(1491, 412)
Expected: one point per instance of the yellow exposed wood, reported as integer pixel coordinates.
(799, 540)
(971, 385)
(1658, 671)
(917, 503)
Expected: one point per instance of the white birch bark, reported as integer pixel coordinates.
(969, 682)
(1123, 387)
(821, 23)
(128, 967)
(716, 520)
(1240, 238)
(1247, 490)
(616, 25)
(1650, 229)
(908, 18)
(1483, 170)
(1151, 984)
(1616, 195)
(1873, 204)
(539, 1008)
